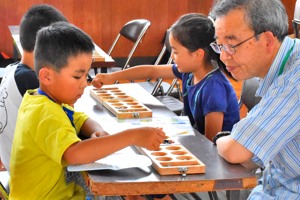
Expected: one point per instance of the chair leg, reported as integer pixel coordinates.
(95, 71)
(195, 196)
(172, 197)
(213, 195)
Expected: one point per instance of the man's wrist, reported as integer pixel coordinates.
(219, 135)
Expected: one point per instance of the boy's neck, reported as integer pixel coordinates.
(28, 59)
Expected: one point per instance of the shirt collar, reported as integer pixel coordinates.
(272, 74)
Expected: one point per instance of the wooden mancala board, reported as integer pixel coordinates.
(120, 104)
(174, 159)
(97, 57)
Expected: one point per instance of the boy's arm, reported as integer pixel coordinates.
(91, 128)
(89, 150)
(234, 152)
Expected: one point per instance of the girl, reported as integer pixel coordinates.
(209, 99)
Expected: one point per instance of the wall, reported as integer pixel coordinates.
(102, 19)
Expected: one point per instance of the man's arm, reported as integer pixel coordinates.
(234, 152)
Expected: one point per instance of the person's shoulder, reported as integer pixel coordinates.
(23, 68)
(216, 76)
(217, 79)
(11, 68)
(24, 71)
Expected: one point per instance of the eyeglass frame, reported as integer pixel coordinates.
(218, 48)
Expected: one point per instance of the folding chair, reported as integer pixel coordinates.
(296, 23)
(159, 87)
(296, 20)
(248, 97)
(133, 31)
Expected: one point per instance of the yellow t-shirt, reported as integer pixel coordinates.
(43, 133)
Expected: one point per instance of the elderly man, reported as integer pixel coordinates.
(251, 36)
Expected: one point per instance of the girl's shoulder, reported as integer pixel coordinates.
(216, 76)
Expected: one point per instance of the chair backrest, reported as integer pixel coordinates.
(134, 31)
(171, 91)
(166, 49)
(248, 97)
(296, 20)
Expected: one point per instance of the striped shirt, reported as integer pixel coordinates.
(271, 130)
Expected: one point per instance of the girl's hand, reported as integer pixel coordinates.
(102, 79)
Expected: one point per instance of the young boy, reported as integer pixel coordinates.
(20, 76)
(46, 137)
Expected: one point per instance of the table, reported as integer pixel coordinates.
(103, 65)
(219, 174)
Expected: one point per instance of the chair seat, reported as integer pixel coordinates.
(171, 103)
(149, 86)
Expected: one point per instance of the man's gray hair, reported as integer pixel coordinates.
(261, 15)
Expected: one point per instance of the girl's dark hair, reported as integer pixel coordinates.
(196, 31)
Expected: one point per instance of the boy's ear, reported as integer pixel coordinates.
(45, 75)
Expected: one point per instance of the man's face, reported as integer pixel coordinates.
(248, 58)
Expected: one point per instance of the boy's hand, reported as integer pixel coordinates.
(149, 138)
(102, 79)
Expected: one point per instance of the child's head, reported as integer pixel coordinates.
(35, 18)
(59, 42)
(195, 31)
(63, 57)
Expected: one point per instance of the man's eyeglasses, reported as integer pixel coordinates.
(227, 47)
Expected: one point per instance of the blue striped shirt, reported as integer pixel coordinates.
(271, 130)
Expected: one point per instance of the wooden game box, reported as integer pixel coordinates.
(120, 104)
(174, 159)
(97, 57)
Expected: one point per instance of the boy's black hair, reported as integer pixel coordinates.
(58, 42)
(36, 17)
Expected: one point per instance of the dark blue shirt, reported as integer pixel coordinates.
(214, 93)
(25, 78)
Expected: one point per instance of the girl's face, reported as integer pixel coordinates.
(187, 62)
(68, 84)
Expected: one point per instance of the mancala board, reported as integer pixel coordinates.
(120, 104)
(97, 57)
(173, 159)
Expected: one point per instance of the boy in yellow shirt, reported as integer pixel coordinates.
(47, 131)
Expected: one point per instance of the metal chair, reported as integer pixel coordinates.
(296, 20)
(133, 31)
(248, 97)
(162, 90)
(158, 87)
